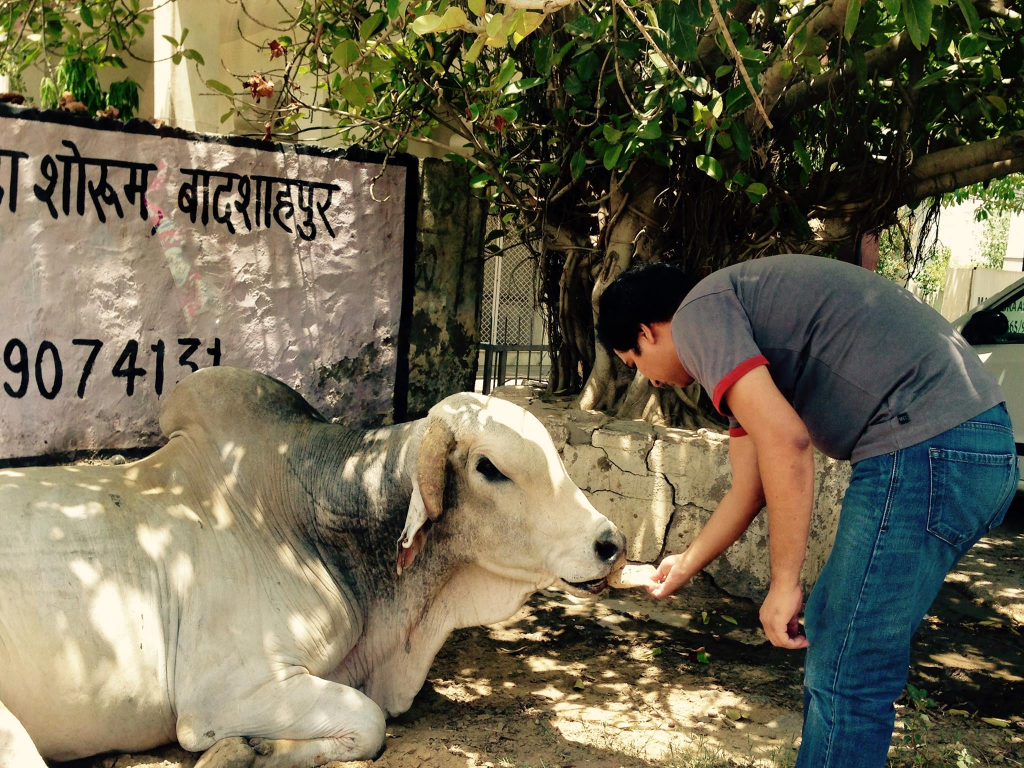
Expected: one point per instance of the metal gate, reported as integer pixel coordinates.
(515, 346)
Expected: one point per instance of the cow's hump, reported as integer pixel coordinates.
(233, 403)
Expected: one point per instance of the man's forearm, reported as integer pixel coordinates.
(726, 524)
(788, 478)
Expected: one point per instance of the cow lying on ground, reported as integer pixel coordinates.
(250, 588)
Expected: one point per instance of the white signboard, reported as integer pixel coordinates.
(131, 257)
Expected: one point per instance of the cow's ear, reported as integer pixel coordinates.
(414, 535)
(428, 489)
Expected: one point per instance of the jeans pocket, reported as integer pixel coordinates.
(968, 493)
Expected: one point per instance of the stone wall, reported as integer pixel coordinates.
(660, 485)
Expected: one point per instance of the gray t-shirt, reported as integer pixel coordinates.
(869, 368)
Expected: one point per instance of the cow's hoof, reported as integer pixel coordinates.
(262, 746)
(228, 753)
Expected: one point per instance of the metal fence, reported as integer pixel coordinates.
(515, 349)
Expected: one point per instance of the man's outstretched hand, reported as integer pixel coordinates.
(669, 577)
(780, 617)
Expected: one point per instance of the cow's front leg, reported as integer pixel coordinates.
(228, 753)
(302, 720)
(285, 753)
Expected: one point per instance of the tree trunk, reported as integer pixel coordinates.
(632, 232)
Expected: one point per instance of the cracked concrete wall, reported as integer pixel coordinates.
(660, 485)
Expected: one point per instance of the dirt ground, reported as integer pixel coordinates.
(626, 681)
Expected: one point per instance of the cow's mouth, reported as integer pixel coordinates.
(592, 587)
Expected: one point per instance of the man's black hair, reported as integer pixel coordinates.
(641, 295)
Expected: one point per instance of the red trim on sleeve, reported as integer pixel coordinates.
(737, 432)
(733, 376)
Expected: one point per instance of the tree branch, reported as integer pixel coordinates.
(825, 21)
(996, 8)
(739, 64)
(885, 58)
(948, 169)
(707, 46)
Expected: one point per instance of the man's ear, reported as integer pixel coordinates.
(648, 333)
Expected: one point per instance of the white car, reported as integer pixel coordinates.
(996, 330)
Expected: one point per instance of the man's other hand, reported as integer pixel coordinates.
(780, 617)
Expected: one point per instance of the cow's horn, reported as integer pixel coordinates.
(437, 443)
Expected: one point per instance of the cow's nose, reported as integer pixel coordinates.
(610, 544)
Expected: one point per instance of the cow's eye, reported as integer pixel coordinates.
(488, 470)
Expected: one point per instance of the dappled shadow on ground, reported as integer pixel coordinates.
(630, 682)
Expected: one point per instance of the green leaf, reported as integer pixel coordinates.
(392, 9)
(917, 15)
(376, 65)
(47, 93)
(755, 192)
(480, 181)
(521, 85)
(730, 619)
(801, 155)
(578, 164)
(352, 93)
(371, 25)
(505, 74)
(852, 14)
(710, 166)
(347, 51)
(936, 76)
(543, 49)
(703, 657)
(176, 59)
(478, 7)
(725, 69)
(169, 39)
(495, 24)
(550, 169)
(892, 6)
(508, 113)
(970, 15)
(86, 15)
(971, 46)
(680, 36)
(649, 131)
(226, 115)
(219, 86)
(611, 156)
(425, 24)
(474, 50)
(611, 135)
(194, 55)
(998, 722)
(998, 102)
(581, 26)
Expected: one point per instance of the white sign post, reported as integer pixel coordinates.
(130, 257)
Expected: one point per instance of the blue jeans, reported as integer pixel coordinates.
(906, 519)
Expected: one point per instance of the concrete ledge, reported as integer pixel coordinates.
(660, 485)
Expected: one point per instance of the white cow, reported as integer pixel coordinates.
(249, 588)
